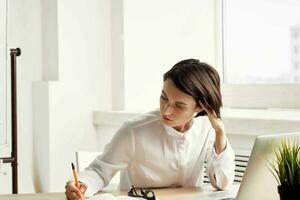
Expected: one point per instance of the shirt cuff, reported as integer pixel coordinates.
(92, 180)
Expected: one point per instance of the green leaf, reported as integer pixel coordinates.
(286, 165)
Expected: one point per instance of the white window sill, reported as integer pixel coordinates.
(263, 114)
(237, 121)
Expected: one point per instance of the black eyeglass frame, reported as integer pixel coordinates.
(144, 193)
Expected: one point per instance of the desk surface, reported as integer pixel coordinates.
(162, 194)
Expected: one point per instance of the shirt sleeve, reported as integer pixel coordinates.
(220, 167)
(115, 157)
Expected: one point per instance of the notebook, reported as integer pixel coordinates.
(109, 196)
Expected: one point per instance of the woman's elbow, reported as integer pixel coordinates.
(222, 181)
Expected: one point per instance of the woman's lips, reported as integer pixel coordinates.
(167, 118)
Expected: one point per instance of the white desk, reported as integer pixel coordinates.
(162, 194)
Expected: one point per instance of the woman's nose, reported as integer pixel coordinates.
(168, 109)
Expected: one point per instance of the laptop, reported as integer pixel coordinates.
(258, 182)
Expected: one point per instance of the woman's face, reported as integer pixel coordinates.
(177, 108)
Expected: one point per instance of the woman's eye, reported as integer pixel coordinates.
(179, 106)
(164, 98)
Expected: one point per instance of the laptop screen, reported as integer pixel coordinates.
(258, 181)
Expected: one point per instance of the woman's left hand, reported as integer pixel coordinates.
(216, 122)
(218, 125)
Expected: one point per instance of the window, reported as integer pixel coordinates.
(261, 53)
(255, 46)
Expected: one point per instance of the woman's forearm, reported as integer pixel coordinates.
(220, 141)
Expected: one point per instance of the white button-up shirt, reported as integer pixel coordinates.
(151, 154)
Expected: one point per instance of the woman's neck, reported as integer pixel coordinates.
(183, 128)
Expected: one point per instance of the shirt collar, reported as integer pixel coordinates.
(179, 135)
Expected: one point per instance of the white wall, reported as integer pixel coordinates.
(83, 86)
(3, 137)
(24, 31)
(157, 34)
(58, 90)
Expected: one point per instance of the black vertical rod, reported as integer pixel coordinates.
(14, 154)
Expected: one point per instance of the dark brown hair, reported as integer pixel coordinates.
(199, 80)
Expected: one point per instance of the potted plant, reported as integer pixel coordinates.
(286, 170)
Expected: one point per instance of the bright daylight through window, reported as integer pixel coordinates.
(261, 41)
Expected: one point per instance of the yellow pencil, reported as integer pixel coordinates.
(76, 180)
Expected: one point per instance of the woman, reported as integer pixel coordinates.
(168, 148)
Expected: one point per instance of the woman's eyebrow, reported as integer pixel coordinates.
(179, 102)
(163, 93)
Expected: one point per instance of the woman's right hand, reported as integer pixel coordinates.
(73, 193)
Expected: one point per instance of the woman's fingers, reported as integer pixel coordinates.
(208, 110)
(72, 195)
(215, 121)
(82, 187)
(72, 192)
